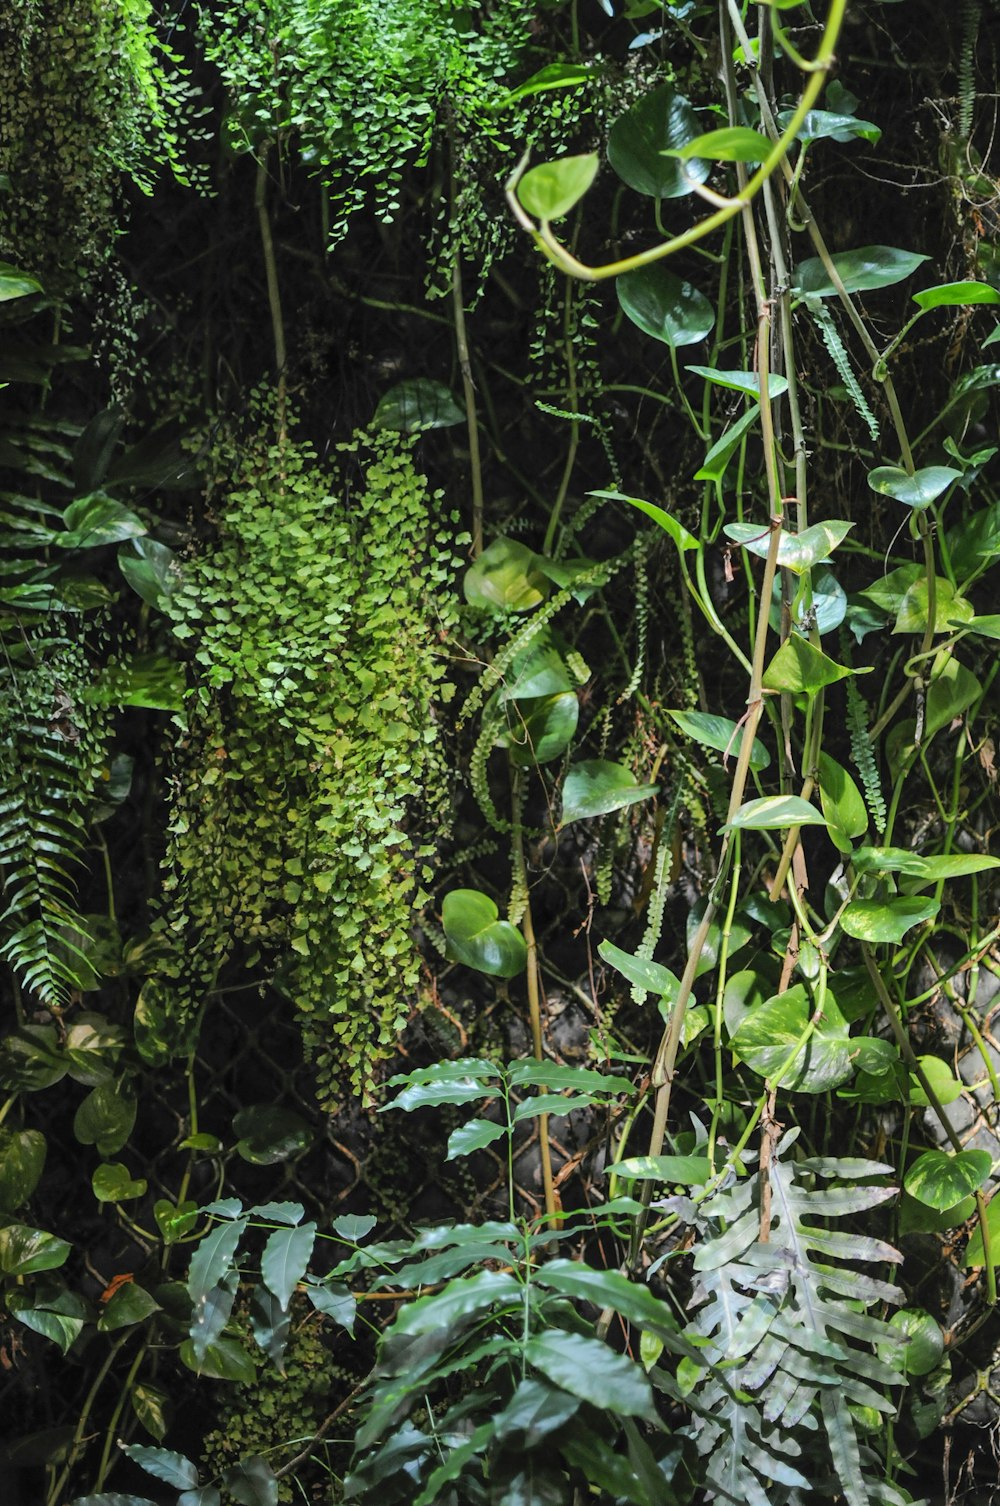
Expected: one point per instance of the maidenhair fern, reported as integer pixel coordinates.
(789, 1355)
(310, 780)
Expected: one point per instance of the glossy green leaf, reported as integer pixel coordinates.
(174, 1220)
(151, 569)
(952, 294)
(541, 671)
(114, 1184)
(226, 1359)
(592, 1371)
(473, 1136)
(478, 938)
(534, 1411)
(285, 1258)
(505, 578)
(334, 1301)
(554, 188)
(106, 1117)
(159, 1033)
(664, 306)
(151, 1405)
(688, 1171)
(24, 1250)
(173, 1469)
(210, 1316)
(886, 920)
(950, 610)
(769, 1032)
(415, 405)
(831, 125)
(987, 626)
(652, 976)
(842, 802)
(713, 467)
(597, 787)
(213, 1258)
(747, 382)
(775, 813)
(22, 1159)
(945, 1086)
(539, 730)
(30, 1059)
(97, 520)
(952, 690)
(720, 733)
(675, 530)
(861, 271)
(918, 490)
(659, 122)
(941, 1178)
(975, 1253)
(16, 284)
(205, 1495)
(552, 76)
(269, 1134)
(727, 144)
(130, 1304)
(633, 1300)
(252, 1482)
(291, 1214)
(354, 1226)
(529, 1073)
(922, 1340)
(930, 870)
(802, 669)
(796, 551)
(60, 1317)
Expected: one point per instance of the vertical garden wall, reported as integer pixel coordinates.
(498, 791)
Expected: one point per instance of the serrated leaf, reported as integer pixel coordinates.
(473, 1136)
(172, 1468)
(590, 1370)
(285, 1258)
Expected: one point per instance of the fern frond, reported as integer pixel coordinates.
(838, 354)
(864, 757)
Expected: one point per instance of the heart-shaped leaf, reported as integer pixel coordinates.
(664, 306)
(269, 1134)
(941, 1178)
(597, 787)
(478, 938)
(539, 730)
(552, 189)
(174, 1220)
(24, 1250)
(801, 669)
(796, 551)
(22, 1159)
(923, 1341)
(416, 405)
(114, 1184)
(775, 813)
(830, 125)
(505, 578)
(861, 271)
(886, 920)
(918, 490)
(720, 733)
(769, 1032)
(655, 124)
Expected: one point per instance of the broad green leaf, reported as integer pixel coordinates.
(205, 1495)
(61, 1317)
(464, 1298)
(16, 284)
(539, 729)
(151, 1405)
(105, 1117)
(30, 1059)
(941, 1178)
(950, 610)
(986, 627)
(552, 76)
(975, 1253)
(922, 1339)
(114, 1184)
(630, 1298)
(22, 1159)
(334, 1301)
(528, 1073)
(975, 538)
(952, 690)
(174, 1220)
(252, 1482)
(415, 405)
(478, 938)
(652, 976)
(269, 1134)
(592, 1371)
(173, 1469)
(432, 1095)
(597, 787)
(505, 578)
(930, 870)
(769, 1032)
(802, 669)
(24, 1250)
(354, 1226)
(861, 271)
(541, 671)
(950, 294)
(830, 125)
(720, 733)
(638, 141)
(886, 920)
(664, 306)
(675, 530)
(285, 1258)
(727, 144)
(226, 1359)
(796, 551)
(473, 1136)
(210, 1316)
(279, 1213)
(842, 802)
(918, 490)
(943, 1082)
(97, 520)
(158, 1035)
(151, 569)
(554, 188)
(747, 382)
(689, 1171)
(534, 1410)
(775, 813)
(154, 681)
(130, 1304)
(713, 467)
(213, 1258)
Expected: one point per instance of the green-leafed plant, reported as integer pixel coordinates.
(311, 776)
